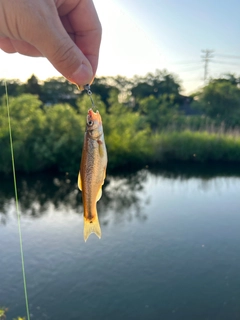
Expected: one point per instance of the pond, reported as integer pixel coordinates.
(170, 247)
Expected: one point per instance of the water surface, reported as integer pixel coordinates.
(169, 249)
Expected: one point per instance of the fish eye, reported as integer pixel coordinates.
(90, 123)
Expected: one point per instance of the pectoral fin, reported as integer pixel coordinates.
(99, 194)
(104, 174)
(79, 182)
(100, 148)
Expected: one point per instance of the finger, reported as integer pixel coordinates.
(86, 27)
(25, 48)
(13, 46)
(6, 45)
(64, 55)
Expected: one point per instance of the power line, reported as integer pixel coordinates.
(185, 62)
(228, 63)
(222, 62)
(228, 56)
(191, 69)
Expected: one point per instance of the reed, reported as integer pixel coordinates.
(200, 146)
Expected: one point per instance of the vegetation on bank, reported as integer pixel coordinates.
(146, 121)
(3, 316)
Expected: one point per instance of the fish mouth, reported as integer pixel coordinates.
(91, 113)
(94, 115)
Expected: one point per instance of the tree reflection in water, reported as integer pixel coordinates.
(124, 195)
(204, 171)
(36, 193)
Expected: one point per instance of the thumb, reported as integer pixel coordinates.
(56, 45)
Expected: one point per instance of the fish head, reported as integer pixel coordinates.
(94, 123)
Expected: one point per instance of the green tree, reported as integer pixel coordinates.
(127, 142)
(155, 84)
(32, 86)
(104, 87)
(221, 100)
(229, 77)
(14, 87)
(59, 143)
(159, 112)
(26, 121)
(59, 90)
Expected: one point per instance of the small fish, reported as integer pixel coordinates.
(92, 172)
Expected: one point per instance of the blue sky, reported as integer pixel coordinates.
(182, 28)
(141, 36)
(188, 26)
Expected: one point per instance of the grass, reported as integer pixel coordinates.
(146, 148)
(201, 146)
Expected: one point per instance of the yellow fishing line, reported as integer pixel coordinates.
(16, 202)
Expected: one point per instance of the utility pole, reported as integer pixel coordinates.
(206, 58)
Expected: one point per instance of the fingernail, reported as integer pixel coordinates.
(83, 75)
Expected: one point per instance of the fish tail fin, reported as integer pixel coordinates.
(91, 226)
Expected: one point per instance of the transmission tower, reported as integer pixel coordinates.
(208, 55)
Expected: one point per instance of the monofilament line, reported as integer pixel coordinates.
(89, 92)
(16, 202)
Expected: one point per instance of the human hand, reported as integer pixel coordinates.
(66, 32)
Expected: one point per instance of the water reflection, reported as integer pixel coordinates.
(205, 171)
(36, 193)
(124, 194)
(210, 176)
